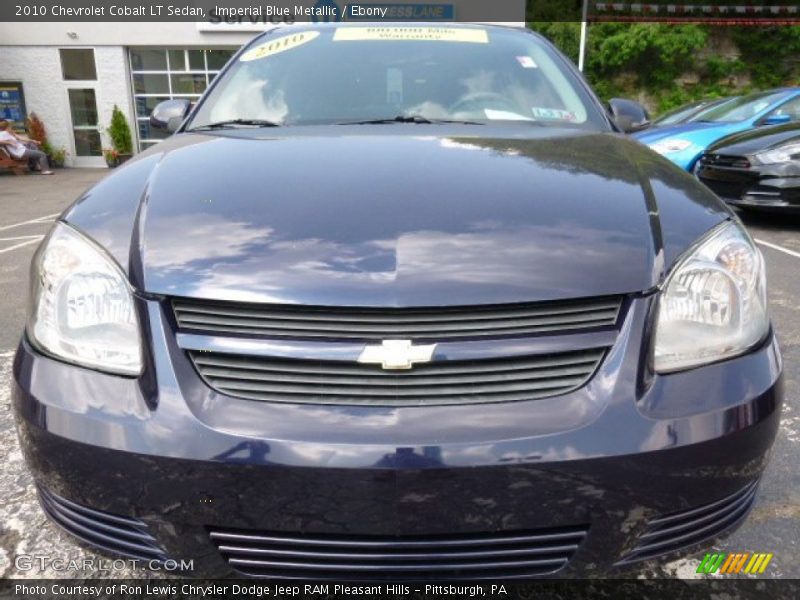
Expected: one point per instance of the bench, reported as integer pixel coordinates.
(18, 166)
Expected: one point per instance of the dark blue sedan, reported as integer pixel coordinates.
(397, 302)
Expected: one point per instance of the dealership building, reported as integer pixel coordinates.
(72, 74)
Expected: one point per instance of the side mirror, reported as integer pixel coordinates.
(630, 116)
(776, 120)
(169, 115)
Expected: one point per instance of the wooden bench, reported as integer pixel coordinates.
(18, 166)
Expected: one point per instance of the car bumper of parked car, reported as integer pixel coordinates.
(771, 193)
(655, 464)
(753, 189)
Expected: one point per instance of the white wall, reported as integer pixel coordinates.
(116, 34)
(29, 53)
(115, 88)
(39, 69)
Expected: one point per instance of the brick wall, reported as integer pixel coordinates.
(39, 69)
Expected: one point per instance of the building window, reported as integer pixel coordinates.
(159, 74)
(77, 64)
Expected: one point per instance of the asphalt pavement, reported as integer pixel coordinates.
(28, 206)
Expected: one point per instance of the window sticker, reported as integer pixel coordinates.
(424, 34)
(504, 115)
(554, 114)
(527, 62)
(278, 45)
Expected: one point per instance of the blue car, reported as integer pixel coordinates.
(684, 144)
(689, 112)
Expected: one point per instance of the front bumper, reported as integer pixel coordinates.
(767, 187)
(585, 481)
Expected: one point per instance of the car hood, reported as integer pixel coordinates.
(388, 219)
(696, 132)
(757, 140)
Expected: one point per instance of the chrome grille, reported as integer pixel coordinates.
(344, 558)
(113, 533)
(434, 324)
(686, 528)
(437, 383)
(723, 160)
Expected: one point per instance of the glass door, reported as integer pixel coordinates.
(85, 126)
(79, 72)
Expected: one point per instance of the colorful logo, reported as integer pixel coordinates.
(751, 563)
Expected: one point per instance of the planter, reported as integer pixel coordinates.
(53, 162)
(112, 163)
(123, 158)
(56, 158)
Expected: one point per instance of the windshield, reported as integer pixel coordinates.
(742, 109)
(700, 115)
(679, 114)
(346, 74)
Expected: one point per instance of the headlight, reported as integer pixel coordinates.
(783, 154)
(714, 304)
(670, 146)
(81, 305)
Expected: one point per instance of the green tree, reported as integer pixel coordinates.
(769, 53)
(656, 53)
(631, 59)
(565, 35)
(120, 132)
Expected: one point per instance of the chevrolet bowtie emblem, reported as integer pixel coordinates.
(396, 354)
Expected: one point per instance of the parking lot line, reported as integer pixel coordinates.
(43, 219)
(20, 237)
(21, 245)
(778, 248)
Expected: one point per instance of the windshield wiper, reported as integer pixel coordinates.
(416, 119)
(232, 123)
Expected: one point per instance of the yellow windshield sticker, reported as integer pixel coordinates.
(425, 34)
(278, 45)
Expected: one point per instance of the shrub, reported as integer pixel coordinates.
(59, 154)
(669, 64)
(36, 130)
(770, 53)
(120, 132)
(110, 154)
(657, 53)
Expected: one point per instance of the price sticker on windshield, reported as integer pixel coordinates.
(553, 114)
(417, 34)
(278, 45)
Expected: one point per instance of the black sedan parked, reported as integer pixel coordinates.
(397, 302)
(758, 169)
